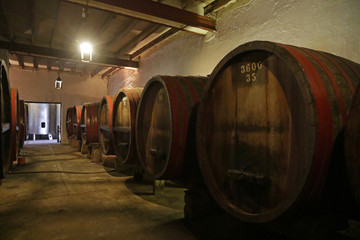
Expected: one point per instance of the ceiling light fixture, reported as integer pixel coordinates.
(84, 12)
(58, 81)
(86, 52)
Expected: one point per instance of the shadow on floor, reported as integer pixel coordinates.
(172, 196)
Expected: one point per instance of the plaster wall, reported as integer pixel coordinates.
(328, 25)
(38, 86)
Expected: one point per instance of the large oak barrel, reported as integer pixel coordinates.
(89, 123)
(352, 148)
(75, 120)
(14, 126)
(266, 126)
(5, 112)
(124, 118)
(68, 125)
(105, 125)
(22, 123)
(162, 123)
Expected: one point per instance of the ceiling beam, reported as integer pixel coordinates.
(157, 40)
(216, 6)
(69, 55)
(35, 63)
(20, 60)
(105, 24)
(96, 71)
(154, 12)
(187, 3)
(122, 33)
(48, 65)
(84, 68)
(107, 73)
(73, 67)
(32, 20)
(55, 25)
(137, 39)
(4, 26)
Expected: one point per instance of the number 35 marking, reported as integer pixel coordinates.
(251, 77)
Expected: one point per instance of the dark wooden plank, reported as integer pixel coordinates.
(215, 6)
(35, 63)
(20, 60)
(48, 65)
(154, 12)
(108, 72)
(5, 29)
(69, 55)
(157, 40)
(31, 7)
(55, 25)
(188, 3)
(121, 33)
(105, 23)
(136, 40)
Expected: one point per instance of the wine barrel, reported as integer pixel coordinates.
(75, 120)
(22, 123)
(5, 112)
(124, 118)
(68, 125)
(14, 126)
(162, 123)
(266, 126)
(105, 125)
(85, 123)
(352, 147)
(89, 123)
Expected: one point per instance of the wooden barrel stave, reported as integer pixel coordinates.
(85, 124)
(124, 119)
(75, 123)
(256, 129)
(105, 125)
(352, 149)
(22, 123)
(68, 124)
(162, 123)
(89, 123)
(94, 123)
(15, 131)
(5, 112)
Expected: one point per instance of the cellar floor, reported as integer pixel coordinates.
(60, 194)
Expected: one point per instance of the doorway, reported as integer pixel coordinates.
(43, 122)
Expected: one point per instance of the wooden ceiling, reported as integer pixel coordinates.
(45, 34)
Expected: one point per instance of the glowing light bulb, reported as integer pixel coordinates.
(86, 52)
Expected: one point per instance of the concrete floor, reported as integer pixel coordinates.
(41, 142)
(60, 194)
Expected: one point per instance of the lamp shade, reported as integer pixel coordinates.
(58, 83)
